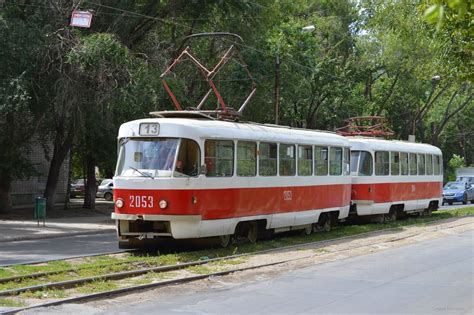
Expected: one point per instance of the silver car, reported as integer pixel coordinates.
(106, 189)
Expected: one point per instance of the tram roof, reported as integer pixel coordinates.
(219, 129)
(368, 144)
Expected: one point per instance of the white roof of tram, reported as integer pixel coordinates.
(219, 129)
(373, 144)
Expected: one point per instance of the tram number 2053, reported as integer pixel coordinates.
(140, 201)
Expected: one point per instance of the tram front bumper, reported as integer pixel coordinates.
(156, 226)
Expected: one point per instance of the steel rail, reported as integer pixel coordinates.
(220, 273)
(137, 272)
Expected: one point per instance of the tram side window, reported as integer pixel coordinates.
(404, 163)
(335, 161)
(219, 158)
(267, 159)
(188, 158)
(354, 161)
(382, 163)
(394, 163)
(413, 163)
(246, 158)
(287, 160)
(429, 164)
(366, 164)
(346, 161)
(321, 161)
(305, 160)
(437, 168)
(421, 164)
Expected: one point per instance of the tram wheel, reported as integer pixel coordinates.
(225, 240)
(390, 216)
(427, 212)
(324, 223)
(308, 230)
(252, 234)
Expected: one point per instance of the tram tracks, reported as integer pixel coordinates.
(193, 277)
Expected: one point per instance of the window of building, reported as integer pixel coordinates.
(246, 158)
(287, 160)
(394, 163)
(413, 163)
(346, 161)
(437, 165)
(219, 157)
(305, 160)
(335, 161)
(421, 164)
(187, 163)
(321, 161)
(267, 159)
(404, 163)
(429, 164)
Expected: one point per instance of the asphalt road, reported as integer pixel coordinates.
(56, 248)
(431, 277)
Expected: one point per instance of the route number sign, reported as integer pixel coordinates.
(149, 129)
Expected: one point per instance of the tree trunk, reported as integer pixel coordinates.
(89, 197)
(61, 150)
(5, 194)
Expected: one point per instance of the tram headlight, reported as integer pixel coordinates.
(119, 203)
(163, 204)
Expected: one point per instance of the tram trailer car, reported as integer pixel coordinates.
(187, 178)
(393, 178)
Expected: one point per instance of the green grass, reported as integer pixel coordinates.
(45, 294)
(200, 269)
(97, 286)
(11, 303)
(99, 265)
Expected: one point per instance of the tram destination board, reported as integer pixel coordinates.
(149, 129)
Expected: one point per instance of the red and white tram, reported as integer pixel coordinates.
(394, 177)
(198, 177)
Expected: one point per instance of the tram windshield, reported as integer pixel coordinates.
(147, 157)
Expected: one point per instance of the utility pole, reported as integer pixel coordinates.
(277, 88)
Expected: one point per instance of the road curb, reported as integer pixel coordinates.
(55, 235)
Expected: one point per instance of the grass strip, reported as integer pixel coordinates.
(100, 265)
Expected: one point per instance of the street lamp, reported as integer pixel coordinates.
(306, 29)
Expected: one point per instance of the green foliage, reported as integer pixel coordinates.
(368, 57)
(19, 41)
(454, 163)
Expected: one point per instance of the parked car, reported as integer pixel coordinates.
(106, 189)
(78, 188)
(458, 192)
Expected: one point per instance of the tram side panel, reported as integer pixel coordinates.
(412, 192)
(216, 211)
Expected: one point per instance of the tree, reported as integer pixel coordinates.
(20, 112)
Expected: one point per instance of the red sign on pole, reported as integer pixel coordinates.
(81, 19)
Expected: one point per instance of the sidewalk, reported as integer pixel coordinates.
(19, 224)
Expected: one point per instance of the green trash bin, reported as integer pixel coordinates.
(40, 209)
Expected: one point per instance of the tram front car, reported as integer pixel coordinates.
(153, 182)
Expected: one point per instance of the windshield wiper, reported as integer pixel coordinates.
(144, 174)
